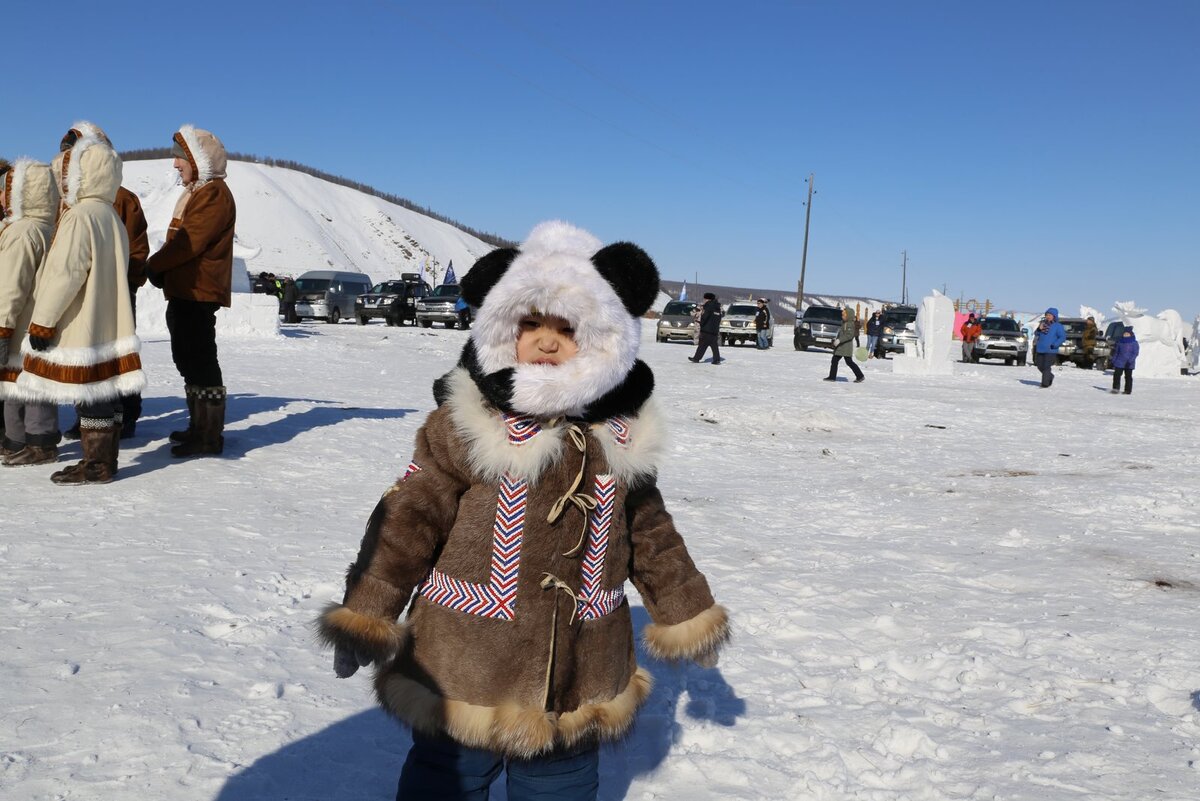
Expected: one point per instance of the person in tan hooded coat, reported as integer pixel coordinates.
(531, 499)
(129, 209)
(194, 268)
(82, 348)
(29, 194)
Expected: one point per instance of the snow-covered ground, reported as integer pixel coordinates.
(955, 587)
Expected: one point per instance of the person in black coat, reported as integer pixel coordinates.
(288, 298)
(874, 335)
(710, 329)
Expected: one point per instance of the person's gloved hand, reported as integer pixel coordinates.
(347, 661)
(708, 659)
(39, 343)
(4, 350)
(155, 279)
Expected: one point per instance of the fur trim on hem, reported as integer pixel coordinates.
(512, 730)
(705, 632)
(340, 625)
(35, 389)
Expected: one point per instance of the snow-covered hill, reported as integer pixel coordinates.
(290, 222)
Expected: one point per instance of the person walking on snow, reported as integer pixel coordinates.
(540, 460)
(129, 209)
(710, 329)
(83, 349)
(28, 205)
(970, 331)
(1124, 359)
(194, 268)
(1047, 339)
(843, 348)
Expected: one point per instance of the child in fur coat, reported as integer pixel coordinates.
(531, 499)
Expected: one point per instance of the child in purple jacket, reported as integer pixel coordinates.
(1123, 360)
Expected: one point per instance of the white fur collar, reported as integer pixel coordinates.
(631, 445)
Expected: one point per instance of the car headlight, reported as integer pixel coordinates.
(984, 338)
(1022, 340)
(888, 330)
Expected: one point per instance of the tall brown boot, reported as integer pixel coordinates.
(210, 425)
(187, 434)
(31, 454)
(99, 465)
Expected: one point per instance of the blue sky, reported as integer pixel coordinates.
(1035, 153)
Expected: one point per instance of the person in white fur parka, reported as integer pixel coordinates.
(81, 348)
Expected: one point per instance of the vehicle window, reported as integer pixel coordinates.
(446, 291)
(312, 284)
(678, 308)
(899, 318)
(1115, 330)
(823, 313)
(1001, 324)
(743, 309)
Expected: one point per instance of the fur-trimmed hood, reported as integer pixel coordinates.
(90, 169)
(204, 151)
(564, 271)
(30, 192)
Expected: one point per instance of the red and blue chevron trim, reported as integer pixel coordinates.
(521, 429)
(496, 599)
(596, 602)
(620, 429)
(412, 468)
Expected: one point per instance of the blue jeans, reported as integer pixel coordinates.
(439, 769)
(762, 340)
(872, 341)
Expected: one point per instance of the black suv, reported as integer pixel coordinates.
(819, 326)
(898, 328)
(394, 301)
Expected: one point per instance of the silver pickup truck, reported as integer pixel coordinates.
(1001, 338)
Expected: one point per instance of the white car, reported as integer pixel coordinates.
(737, 325)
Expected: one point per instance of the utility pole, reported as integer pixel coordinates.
(804, 253)
(904, 279)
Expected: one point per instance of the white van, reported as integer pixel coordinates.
(329, 294)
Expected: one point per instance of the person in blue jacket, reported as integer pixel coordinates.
(463, 310)
(1047, 339)
(1123, 360)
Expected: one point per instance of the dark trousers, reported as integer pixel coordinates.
(708, 341)
(833, 366)
(1128, 373)
(1045, 363)
(193, 327)
(289, 312)
(131, 405)
(439, 769)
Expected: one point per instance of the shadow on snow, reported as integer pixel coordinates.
(360, 757)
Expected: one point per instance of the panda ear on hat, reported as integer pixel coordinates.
(485, 273)
(631, 273)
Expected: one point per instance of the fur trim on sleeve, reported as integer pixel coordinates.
(340, 625)
(705, 632)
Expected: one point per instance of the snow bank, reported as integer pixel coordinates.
(249, 315)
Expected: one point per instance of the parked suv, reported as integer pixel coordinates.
(439, 307)
(328, 294)
(394, 301)
(1112, 332)
(675, 322)
(1001, 338)
(819, 325)
(737, 325)
(899, 326)
(1072, 349)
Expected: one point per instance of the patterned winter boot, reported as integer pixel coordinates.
(99, 465)
(210, 425)
(189, 433)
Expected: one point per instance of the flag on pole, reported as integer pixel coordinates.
(683, 291)
(450, 277)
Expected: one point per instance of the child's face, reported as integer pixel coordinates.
(545, 339)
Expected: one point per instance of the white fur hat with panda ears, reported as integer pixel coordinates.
(563, 271)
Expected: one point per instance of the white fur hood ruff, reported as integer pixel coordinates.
(555, 272)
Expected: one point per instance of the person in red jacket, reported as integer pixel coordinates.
(970, 331)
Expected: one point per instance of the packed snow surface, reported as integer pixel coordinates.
(942, 587)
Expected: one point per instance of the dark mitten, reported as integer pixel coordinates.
(347, 661)
(39, 343)
(155, 279)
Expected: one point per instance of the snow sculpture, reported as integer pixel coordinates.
(1194, 345)
(1087, 311)
(935, 346)
(1160, 340)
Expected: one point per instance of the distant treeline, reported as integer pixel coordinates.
(145, 154)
